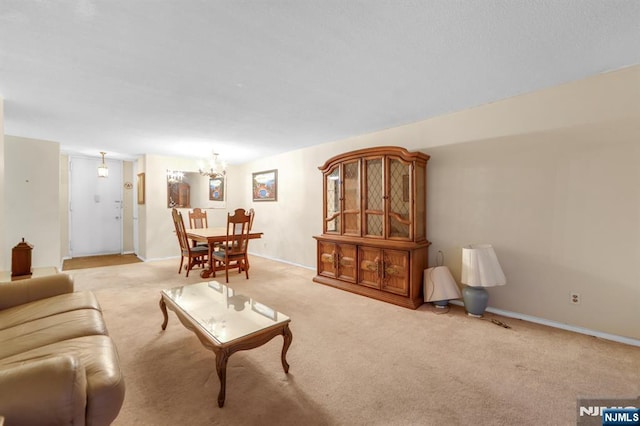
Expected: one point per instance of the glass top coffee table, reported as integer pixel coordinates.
(225, 322)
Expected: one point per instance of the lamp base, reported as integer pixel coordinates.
(441, 304)
(475, 300)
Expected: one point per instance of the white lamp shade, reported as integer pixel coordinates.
(439, 285)
(480, 266)
(103, 171)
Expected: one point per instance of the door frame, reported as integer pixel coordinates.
(70, 200)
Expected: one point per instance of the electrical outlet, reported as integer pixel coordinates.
(575, 298)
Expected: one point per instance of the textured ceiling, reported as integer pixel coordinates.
(254, 78)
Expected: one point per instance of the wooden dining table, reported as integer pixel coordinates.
(211, 236)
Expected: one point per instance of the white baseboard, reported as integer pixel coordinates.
(555, 324)
(282, 261)
(154, 259)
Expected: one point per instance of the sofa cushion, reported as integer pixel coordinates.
(98, 355)
(46, 307)
(24, 291)
(44, 391)
(55, 328)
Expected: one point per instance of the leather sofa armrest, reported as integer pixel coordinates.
(24, 291)
(50, 390)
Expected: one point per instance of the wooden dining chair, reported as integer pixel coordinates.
(198, 220)
(235, 246)
(195, 255)
(252, 213)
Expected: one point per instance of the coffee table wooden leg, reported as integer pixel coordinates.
(288, 338)
(163, 308)
(221, 367)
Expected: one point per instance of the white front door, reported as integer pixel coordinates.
(95, 207)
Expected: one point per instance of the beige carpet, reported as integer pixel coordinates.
(354, 360)
(98, 261)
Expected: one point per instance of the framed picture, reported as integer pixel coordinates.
(265, 185)
(216, 189)
(140, 188)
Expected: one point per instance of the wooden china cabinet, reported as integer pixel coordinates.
(374, 239)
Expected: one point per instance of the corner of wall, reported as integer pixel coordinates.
(4, 256)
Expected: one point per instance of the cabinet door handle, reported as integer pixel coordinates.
(379, 267)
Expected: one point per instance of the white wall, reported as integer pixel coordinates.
(32, 182)
(290, 222)
(4, 266)
(550, 178)
(127, 206)
(63, 207)
(562, 210)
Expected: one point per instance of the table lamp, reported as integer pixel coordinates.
(480, 269)
(439, 286)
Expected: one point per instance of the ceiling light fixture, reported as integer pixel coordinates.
(103, 170)
(216, 168)
(174, 176)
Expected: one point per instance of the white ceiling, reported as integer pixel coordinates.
(253, 78)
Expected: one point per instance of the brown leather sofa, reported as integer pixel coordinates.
(58, 365)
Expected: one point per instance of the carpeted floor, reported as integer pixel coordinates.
(354, 360)
(98, 261)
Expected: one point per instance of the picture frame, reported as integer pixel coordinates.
(265, 185)
(216, 189)
(140, 188)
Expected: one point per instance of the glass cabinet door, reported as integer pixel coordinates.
(332, 204)
(399, 198)
(374, 197)
(351, 197)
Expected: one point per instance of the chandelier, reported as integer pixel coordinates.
(103, 171)
(216, 168)
(174, 176)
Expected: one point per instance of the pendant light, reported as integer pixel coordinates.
(103, 171)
